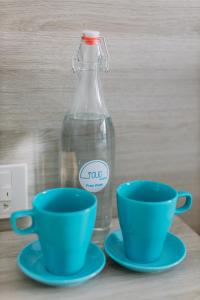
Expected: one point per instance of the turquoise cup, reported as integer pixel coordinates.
(63, 219)
(146, 210)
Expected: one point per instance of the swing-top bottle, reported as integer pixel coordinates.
(88, 140)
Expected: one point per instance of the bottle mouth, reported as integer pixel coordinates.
(91, 37)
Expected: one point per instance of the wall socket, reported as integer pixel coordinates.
(13, 189)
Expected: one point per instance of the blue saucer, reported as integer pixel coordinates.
(30, 261)
(174, 251)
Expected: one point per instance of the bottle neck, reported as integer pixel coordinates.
(88, 98)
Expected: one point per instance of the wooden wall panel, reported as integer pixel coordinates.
(152, 91)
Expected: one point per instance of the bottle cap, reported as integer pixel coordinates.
(91, 37)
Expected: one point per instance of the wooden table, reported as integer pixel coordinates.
(181, 282)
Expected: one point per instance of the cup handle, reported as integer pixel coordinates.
(188, 202)
(20, 214)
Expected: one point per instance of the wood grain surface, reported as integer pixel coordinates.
(152, 91)
(114, 282)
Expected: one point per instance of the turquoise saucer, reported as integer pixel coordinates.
(31, 263)
(174, 251)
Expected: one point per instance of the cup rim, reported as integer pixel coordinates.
(63, 214)
(147, 202)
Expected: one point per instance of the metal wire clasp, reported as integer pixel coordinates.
(75, 60)
(104, 56)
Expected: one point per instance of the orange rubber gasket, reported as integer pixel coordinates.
(90, 40)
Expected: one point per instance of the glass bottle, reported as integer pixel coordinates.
(88, 140)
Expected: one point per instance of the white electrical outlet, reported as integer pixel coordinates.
(13, 189)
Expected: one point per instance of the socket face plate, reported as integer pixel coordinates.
(13, 189)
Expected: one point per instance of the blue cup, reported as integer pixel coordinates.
(146, 210)
(63, 219)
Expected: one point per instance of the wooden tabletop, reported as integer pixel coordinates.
(114, 282)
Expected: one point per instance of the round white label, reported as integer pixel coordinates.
(94, 175)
